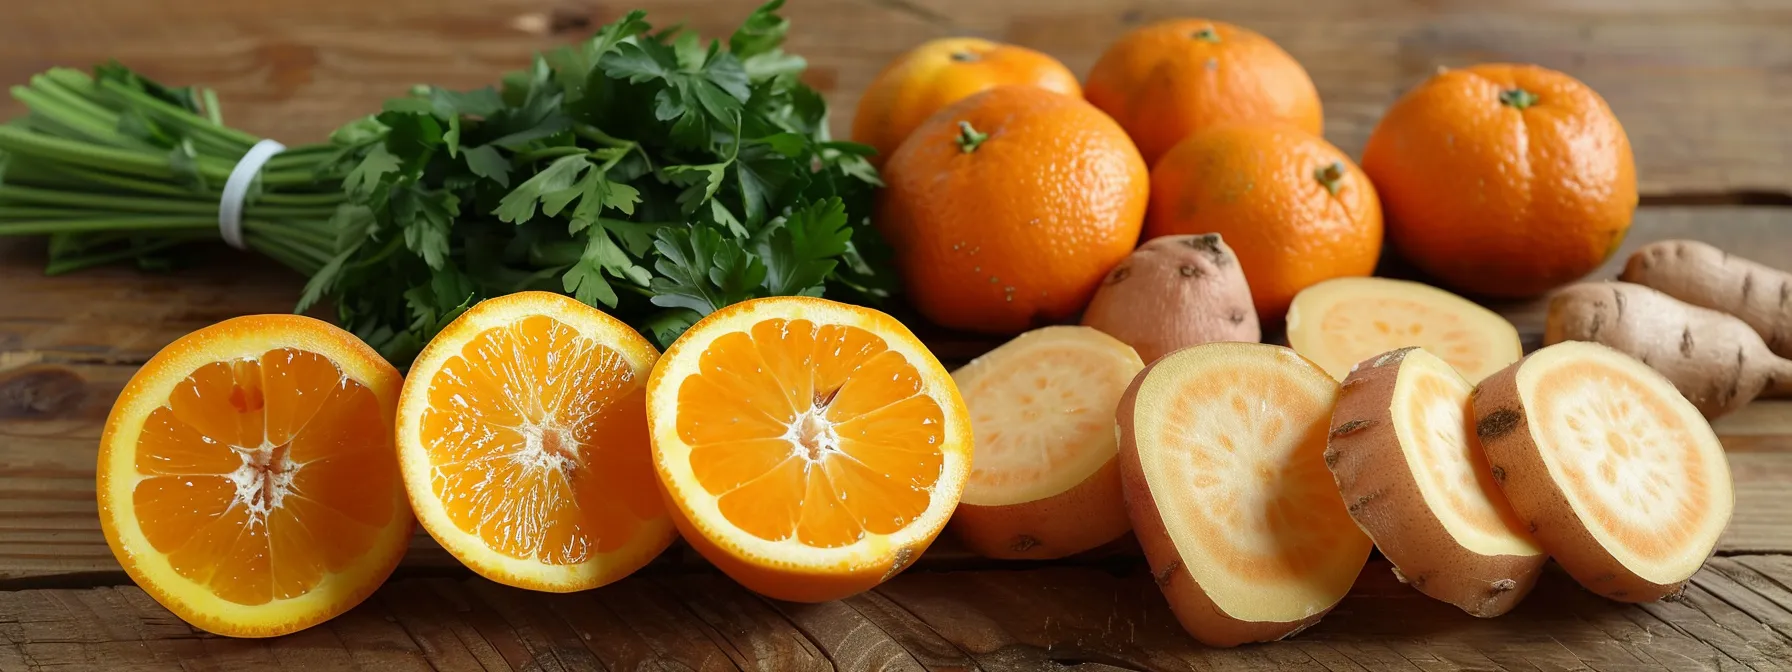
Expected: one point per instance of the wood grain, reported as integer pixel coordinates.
(1734, 617)
(1700, 90)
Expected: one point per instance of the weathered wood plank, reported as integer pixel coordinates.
(1735, 617)
(1701, 92)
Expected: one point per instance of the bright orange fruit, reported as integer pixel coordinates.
(808, 448)
(941, 72)
(1503, 180)
(1007, 208)
(522, 435)
(246, 476)
(1174, 78)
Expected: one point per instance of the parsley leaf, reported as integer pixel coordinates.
(800, 252)
(375, 165)
(519, 205)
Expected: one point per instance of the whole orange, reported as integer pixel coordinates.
(1293, 208)
(1172, 78)
(1007, 208)
(941, 72)
(1503, 180)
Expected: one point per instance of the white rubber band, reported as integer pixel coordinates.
(236, 190)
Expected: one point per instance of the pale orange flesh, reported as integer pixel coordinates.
(1369, 326)
(261, 476)
(1452, 463)
(1341, 322)
(814, 432)
(1628, 456)
(1269, 518)
(536, 439)
(1042, 412)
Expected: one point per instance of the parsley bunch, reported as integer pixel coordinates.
(642, 172)
(646, 173)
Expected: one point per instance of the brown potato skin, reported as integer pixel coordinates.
(1198, 615)
(1716, 361)
(1383, 497)
(1174, 292)
(1503, 425)
(1708, 277)
(1073, 521)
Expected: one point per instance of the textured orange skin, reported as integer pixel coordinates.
(1162, 83)
(1020, 231)
(1494, 200)
(1255, 186)
(941, 72)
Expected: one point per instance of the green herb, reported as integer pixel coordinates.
(649, 174)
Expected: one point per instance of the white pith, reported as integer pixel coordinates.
(1466, 328)
(1044, 431)
(1647, 491)
(1439, 439)
(1184, 491)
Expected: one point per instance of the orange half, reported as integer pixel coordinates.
(808, 448)
(246, 476)
(522, 435)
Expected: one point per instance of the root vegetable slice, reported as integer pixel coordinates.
(1413, 477)
(1615, 473)
(1340, 322)
(1222, 461)
(1044, 483)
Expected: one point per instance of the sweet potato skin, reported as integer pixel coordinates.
(1708, 277)
(1715, 360)
(1383, 497)
(1174, 292)
(1079, 519)
(1503, 426)
(1197, 613)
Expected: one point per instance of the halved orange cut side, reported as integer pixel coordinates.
(1340, 322)
(246, 476)
(522, 434)
(809, 449)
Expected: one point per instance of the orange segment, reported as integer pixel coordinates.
(810, 449)
(522, 434)
(1341, 322)
(247, 479)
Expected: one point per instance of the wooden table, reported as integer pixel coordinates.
(1705, 93)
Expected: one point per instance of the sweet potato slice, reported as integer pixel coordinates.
(1615, 473)
(1043, 481)
(1222, 460)
(1340, 322)
(1412, 475)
